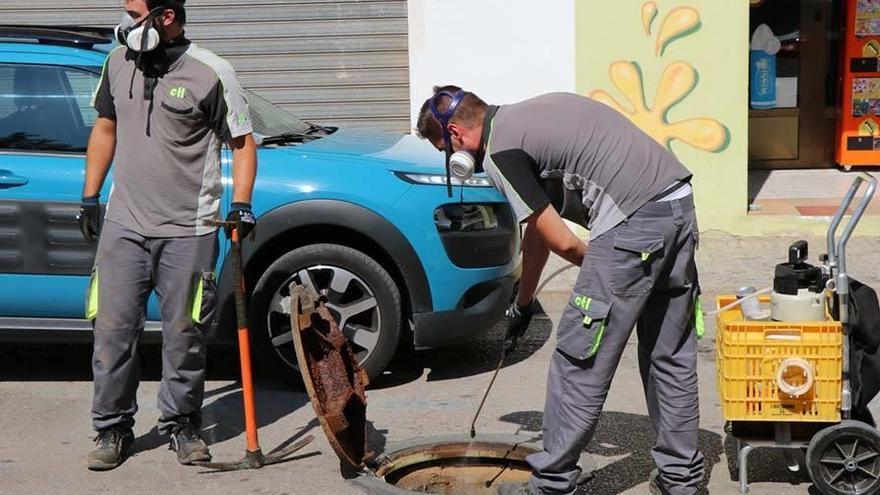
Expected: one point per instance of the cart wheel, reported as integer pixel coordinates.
(845, 459)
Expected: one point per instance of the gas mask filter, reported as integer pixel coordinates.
(139, 36)
(460, 164)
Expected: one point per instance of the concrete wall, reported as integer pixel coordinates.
(689, 93)
(503, 50)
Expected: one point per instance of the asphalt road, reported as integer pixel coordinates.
(45, 395)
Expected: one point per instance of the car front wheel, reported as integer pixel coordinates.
(360, 294)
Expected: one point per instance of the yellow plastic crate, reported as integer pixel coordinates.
(749, 355)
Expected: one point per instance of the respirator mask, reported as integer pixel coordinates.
(139, 36)
(460, 164)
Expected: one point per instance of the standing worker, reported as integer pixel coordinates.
(164, 108)
(563, 155)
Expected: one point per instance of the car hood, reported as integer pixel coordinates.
(405, 153)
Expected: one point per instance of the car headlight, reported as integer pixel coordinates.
(465, 218)
(440, 180)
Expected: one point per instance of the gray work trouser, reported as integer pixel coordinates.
(642, 271)
(128, 267)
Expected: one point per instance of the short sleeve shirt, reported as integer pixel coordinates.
(580, 156)
(166, 171)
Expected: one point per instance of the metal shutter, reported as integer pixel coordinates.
(339, 62)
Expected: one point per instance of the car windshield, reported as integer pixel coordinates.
(275, 125)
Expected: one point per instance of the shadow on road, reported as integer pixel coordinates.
(73, 362)
(628, 436)
(223, 415)
(467, 359)
(766, 466)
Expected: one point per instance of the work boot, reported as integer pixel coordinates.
(111, 444)
(188, 443)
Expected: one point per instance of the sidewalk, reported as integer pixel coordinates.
(726, 262)
(801, 193)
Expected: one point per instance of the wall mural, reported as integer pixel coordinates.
(678, 80)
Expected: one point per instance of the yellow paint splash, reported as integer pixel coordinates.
(677, 22)
(649, 13)
(677, 81)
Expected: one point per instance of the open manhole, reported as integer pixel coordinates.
(452, 465)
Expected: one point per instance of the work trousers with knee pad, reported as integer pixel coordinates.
(641, 272)
(128, 267)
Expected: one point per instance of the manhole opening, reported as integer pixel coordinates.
(458, 469)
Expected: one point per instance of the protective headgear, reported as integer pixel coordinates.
(139, 36)
(460, 164)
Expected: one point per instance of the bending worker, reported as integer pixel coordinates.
(164, 106)
(563, 155)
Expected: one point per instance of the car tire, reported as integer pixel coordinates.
(359, 291)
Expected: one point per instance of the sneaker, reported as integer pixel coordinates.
(186, 441)
(654, 485)
(111, 444)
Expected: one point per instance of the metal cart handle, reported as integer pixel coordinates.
(837, 267)
(837, 248)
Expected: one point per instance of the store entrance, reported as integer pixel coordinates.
(792, 116)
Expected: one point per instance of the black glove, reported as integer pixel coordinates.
(244, 219)
(518, 319)
(89, 218)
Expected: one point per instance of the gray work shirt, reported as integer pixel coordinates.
(578, 155)
(166, 171)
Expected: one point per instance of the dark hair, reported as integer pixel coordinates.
(469, 113)
(176, 5)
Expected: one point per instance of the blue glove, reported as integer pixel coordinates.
(245, 222)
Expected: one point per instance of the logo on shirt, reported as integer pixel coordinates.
(178, 92)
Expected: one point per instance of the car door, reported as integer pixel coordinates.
(45, 123)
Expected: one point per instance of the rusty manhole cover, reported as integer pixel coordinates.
(333, 379)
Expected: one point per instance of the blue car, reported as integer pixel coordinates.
(361, 216)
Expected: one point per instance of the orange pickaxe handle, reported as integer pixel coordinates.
(244, 348)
